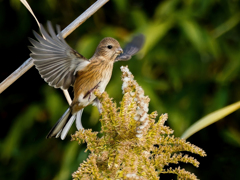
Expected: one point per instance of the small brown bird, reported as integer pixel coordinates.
(61, 67)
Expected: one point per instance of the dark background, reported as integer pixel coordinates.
(189, 67)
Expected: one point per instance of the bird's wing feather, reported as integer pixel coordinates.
(131, 48)
(55, 60)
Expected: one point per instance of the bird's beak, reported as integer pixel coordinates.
(119, 51)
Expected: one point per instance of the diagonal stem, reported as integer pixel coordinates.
(68, 30)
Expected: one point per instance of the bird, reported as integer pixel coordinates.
(61, 67)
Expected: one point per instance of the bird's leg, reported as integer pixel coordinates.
(90, 92)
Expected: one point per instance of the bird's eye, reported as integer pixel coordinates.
(109, 46)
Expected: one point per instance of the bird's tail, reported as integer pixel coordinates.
(63, 125)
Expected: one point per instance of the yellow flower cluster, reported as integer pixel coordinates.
(131, 145)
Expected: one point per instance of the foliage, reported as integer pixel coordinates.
(132, 145)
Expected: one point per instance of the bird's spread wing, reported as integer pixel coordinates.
(131, 48)
(55, 60)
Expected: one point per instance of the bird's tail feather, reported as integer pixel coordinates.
(79, 119)
(67, 127)
(63, 125)
(57, 128)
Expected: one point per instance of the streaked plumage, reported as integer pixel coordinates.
(61, 67)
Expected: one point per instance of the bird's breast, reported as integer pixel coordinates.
(95, 74)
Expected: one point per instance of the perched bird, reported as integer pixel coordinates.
(61, 67)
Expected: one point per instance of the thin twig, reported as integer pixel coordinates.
(25, 3)
(67, 96)
(68, 30)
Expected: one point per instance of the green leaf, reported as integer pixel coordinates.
(210, 119)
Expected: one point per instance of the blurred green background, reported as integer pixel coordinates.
(189, 67)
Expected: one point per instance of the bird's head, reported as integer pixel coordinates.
(108, 49)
